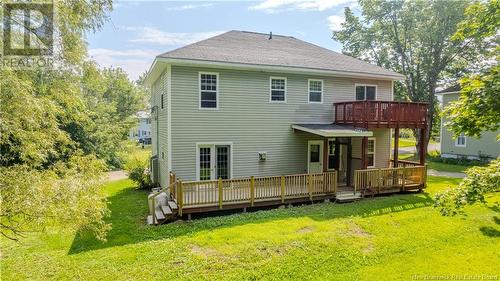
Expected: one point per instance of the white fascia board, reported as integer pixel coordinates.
(334, 133)
(271, 68)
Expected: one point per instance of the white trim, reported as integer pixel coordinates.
(270, 89)
(169, 119)
(441, 135)
(216, 90)
(212, 157)
(465, 140)
(321, 151)
(336, 133)
(392, 90)
(374, 139)
(447, 93)
(365, 85)
(160, 62)
(309, 91)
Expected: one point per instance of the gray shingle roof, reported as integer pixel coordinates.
(257, 49)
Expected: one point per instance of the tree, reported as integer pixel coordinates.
(413, 38)
(478, 107)
(45, 176)
(479, 181)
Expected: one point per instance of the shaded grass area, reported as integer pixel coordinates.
(385, 238)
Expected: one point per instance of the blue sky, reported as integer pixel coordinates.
(138, 31)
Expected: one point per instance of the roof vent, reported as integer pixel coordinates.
(270, 35)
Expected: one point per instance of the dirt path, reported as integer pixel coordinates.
(117, 175)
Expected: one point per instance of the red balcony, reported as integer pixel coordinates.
(381, 114)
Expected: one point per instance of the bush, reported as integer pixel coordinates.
(472, 189)
(139, 172)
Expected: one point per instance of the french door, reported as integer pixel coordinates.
(214, 162)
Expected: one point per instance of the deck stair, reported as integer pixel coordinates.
(165, 210)
(347, 196)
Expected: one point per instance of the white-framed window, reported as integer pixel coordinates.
(277, 89)
(461, 140)
(209, 94)
(370, 153)
(214, 160)
(365, 92)
(315, 90)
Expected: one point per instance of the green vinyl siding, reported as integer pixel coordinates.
(485, 145)
(247, 119)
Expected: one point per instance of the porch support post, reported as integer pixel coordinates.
(364, 146)
(325, 155)
(396, 147)
(349, 160)
(423, 149)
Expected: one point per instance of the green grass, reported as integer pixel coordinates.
(407, 142)
(447, 167)
(404, 142)
(386, 238)
(438, 166)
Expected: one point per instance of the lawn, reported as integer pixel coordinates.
(387, 238)
(438, 166)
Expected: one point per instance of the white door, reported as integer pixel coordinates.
(213, 162)
(315, 156)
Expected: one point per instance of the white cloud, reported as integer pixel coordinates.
(189, 7)
(335, 22)
(155, 36)
(134, 62)
(318, 5)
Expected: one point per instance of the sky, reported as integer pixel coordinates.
(138, 31)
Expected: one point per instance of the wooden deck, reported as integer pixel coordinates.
(182, 198)
(381, 114)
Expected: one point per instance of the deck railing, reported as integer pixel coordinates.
(403, 163)
(381, 114)
(389, 179)
(253, 189)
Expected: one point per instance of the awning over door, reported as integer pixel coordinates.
(332, 130)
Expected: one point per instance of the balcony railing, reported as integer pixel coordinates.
(381, 114)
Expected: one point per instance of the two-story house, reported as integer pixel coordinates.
(463, 146)
(245, 104)
(142, 131)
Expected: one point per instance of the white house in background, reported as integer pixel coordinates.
(142, 131)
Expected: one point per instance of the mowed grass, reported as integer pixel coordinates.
(386, 238)
(438, 166)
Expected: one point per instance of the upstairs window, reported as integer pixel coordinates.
(162, 106)
(315, 91)
(278, 89)
(366, 92)
(208, 90)
(461, 140)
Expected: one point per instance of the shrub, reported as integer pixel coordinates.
(472, 189)
(139, 172)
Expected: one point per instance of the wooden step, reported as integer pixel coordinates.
(172, 205)
(159, 214)
(347, 196)
(166, 210)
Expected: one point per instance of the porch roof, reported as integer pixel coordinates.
(333, 130)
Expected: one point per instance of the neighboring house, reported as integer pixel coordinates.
(465, 146)
(245, 104)
(142, 132)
